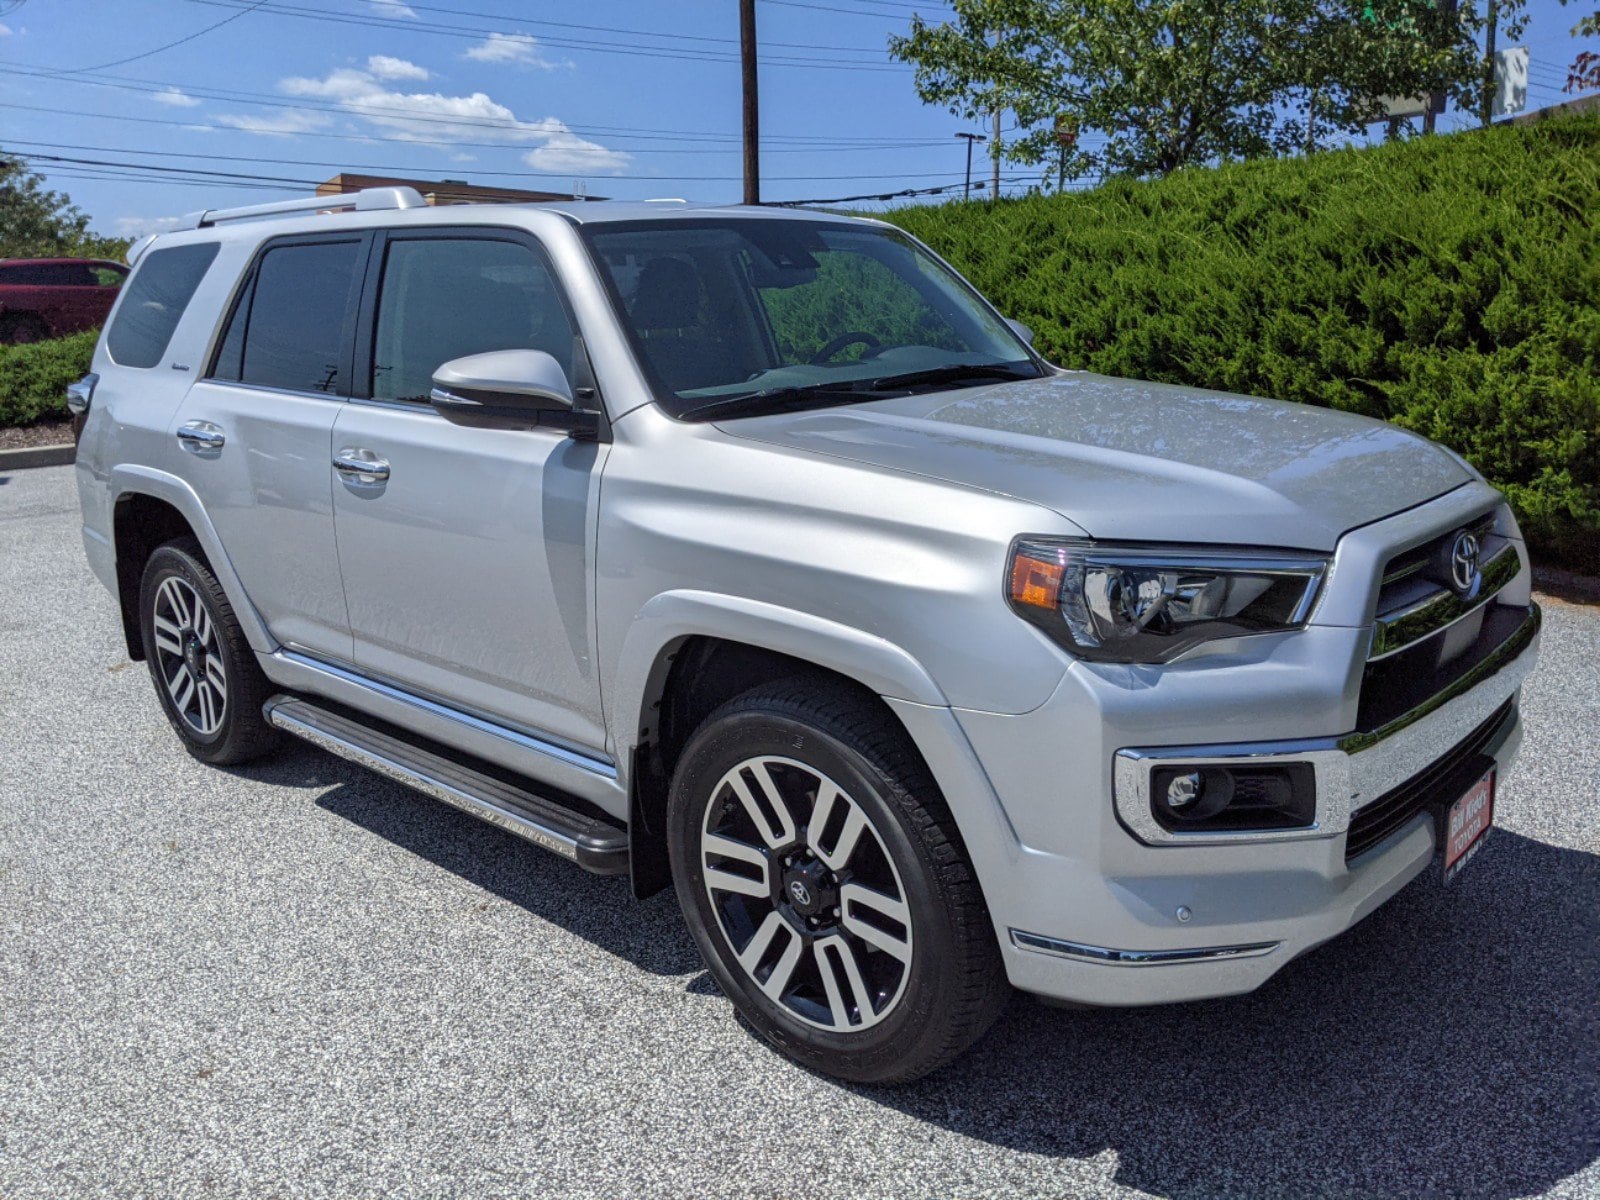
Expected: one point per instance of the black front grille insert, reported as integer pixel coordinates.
(1393, 686)
(1445, 779)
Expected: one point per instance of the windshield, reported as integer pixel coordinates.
(741, 314)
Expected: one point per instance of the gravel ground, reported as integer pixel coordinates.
(298, 979)
(53, 432)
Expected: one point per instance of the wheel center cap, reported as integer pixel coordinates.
(191, 656)
(806, 888)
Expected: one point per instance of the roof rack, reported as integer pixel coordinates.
(366, 200)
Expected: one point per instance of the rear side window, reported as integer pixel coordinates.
(291, 327)
(156, 296)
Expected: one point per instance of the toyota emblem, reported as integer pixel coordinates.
(1464, 563)
(798, 890)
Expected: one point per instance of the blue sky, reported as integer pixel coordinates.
(634, 98)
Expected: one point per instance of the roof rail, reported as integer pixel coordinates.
(366, 200)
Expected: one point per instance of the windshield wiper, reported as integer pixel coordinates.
(954, 373)
(774, 399)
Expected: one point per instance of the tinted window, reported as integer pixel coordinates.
(108, 276)
(297, 313)
(156, 296)
(444, 298)
(49, 274)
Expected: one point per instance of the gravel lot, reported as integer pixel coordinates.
(298, 979)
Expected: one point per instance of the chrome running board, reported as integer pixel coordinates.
(592, 842)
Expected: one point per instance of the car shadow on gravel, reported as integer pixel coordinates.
(1447, 1046)
(599, 909)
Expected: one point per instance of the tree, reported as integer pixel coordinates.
(1584, 73)
(38, 223)
(1156, 85)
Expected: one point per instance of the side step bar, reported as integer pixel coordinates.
(594, 844)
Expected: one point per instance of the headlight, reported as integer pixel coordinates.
(1151, 603)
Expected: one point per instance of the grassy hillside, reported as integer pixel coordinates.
(1450, 285)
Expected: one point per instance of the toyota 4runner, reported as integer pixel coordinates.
(751, 552)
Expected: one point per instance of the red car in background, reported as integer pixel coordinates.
(52, 297)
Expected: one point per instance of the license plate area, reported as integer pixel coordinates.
(1464, 824)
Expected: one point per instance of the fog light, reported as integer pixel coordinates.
(1235, 798)
(1183, 791)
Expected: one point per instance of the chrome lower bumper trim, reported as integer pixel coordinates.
(1351, 770)
(1106, 956)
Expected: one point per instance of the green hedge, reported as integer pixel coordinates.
(34, 378)
(1448, 284)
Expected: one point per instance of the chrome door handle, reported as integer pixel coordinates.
(200, 436)
(361, 466)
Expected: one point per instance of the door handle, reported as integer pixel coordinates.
(199, 437)
(361, 466)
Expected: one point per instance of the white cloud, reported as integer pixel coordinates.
(136, 227)
(436, 119)
(565, 153)
(520, 49)
(176, 97)
(285, 122)
(5, 30)
(381, 66)
(394, 8)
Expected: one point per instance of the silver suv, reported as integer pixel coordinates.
(751, 551)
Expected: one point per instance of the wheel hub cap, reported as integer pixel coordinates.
(808, 889)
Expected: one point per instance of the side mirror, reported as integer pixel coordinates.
(514, 386)
(1021, 330)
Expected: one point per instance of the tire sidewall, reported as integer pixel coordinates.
(710, 754)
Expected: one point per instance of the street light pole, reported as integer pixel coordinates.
(970, 138)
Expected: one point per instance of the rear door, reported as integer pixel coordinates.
(468, 565)
(259, 426)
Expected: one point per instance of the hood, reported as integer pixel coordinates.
(1140, 461)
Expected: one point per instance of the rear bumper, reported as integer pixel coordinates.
(1086, 911)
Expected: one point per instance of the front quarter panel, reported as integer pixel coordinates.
(892, 579)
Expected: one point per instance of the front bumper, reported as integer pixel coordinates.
(1089, 912)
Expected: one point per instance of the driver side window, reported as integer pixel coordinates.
(443, 298)
(852, 294)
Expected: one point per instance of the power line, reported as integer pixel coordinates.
(379, 112)
(168, 46)
(521, 23)
(155, 167)
(474, 33)
(715, 143)
(852, 12)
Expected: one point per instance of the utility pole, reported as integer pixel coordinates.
(970, 138)
(994, 149)
(752, 107)
(1486, 103)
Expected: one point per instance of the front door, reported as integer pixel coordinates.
(468, 553)
(259, 427)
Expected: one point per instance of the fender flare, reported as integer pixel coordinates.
(671, 617)
(128, 479)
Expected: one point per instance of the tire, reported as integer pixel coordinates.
(887, 903)
(21, 329)
(205, 674)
